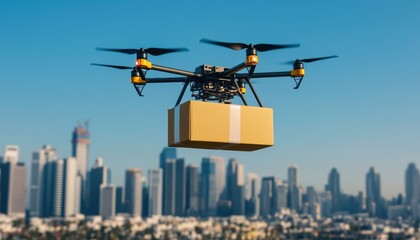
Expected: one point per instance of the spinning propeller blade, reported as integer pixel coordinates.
(111, 66)
(151, 51)
(308, 60)
(262, 47)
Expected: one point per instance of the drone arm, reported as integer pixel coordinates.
(235, 69)
(174, 71)
(166, 80)
(266, 75)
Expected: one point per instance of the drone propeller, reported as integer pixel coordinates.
(152, 51)
(262, 47)
(308, 60)
(111, 66)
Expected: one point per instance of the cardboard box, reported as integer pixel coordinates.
(197, 124)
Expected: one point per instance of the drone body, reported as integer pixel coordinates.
(200, 124)
(207, 82)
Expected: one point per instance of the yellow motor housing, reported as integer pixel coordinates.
(251, 60)
(297, 72)
(138, 80)
(143, 63)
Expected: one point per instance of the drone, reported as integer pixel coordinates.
(208, 82)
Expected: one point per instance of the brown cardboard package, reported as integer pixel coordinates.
(196, 124)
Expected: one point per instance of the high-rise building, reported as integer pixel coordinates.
(192, 190)
(253, 185)
(71, 196)
(145, 199)
(13, 188)
(230, 179)
(373, 193)
(412, 185)
(39, 159)
(155, 192)
(313, 202)
(294, 193)
(169, 187)
(98, 175)
(282, 191)
(10, 154)
(174, 193)
(333, 186)
(238, 203)
(119, 199)
(212, 184)
(269, 196)
(133, 191)
(80, 150)
(180, 187)
(325, 200)
(107, 201)
(166, 154)
(52, 189)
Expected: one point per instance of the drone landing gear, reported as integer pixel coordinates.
(139, 89)
(253, 91)
(182, 92)
(298, 80)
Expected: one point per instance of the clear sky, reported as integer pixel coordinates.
(353, 112)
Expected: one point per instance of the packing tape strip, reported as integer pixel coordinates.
(235, 124)
(176, 124)
(234, 127)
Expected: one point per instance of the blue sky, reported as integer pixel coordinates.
(357, 111)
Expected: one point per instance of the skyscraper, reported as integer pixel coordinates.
(107, 201)
(269, 196)
(174, 194)
(253, 186)
(39, 159)
(192, 190)
(325, 200)
(333, 186)
(71, 195)
(52, 189)
(133, 191)
(10, 154)
(230, 179)
(412, 185)
(212, 184)
(169, 187)
(99, 174)
(13, 188)
(167, 153)
(238, 203)
(155, 192)
(294, 193)
(80, 150)
(119, 200)
(373, 193)
(180, 187)
(313, 203)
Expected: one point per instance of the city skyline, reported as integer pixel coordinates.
(219, 188)
(52, 153)
(48, 154)
(358, 111)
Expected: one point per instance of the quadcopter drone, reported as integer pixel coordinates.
(207, 82)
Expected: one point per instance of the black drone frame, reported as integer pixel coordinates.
(211, 83)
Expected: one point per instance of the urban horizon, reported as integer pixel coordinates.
(231, 168)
